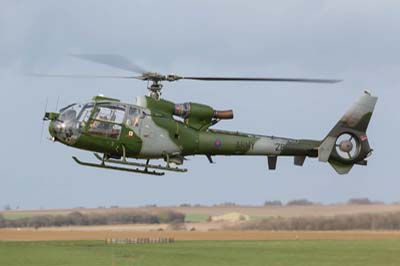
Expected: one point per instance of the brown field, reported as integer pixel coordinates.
(103, 233)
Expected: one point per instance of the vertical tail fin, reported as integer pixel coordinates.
(347, 143)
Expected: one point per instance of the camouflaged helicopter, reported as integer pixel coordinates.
(154, 128)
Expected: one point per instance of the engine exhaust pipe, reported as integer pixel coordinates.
(226, 114)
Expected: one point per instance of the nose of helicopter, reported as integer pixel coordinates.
(56, 126)
(63, 131)
(63, 125)
(60, 131)
(52, 117)
(52, 130)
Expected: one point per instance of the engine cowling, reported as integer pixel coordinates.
(200, 116)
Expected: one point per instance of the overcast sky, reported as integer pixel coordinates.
(357, 41)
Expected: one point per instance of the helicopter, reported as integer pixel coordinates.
(126, 136)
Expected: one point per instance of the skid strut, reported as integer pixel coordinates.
(142, 168)
(145, 165)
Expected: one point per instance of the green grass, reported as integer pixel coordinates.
(193, 253)
(196, 217)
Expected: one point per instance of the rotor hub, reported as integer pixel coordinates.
(155, 89)
(346, 146)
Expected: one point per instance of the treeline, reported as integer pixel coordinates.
(78, 218)
(305, 202)
(382, 221)
(295, 202)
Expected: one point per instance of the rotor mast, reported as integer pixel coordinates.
(155, 89)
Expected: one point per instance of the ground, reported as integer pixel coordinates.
(193, 253)
(202, 242)
(104, 232)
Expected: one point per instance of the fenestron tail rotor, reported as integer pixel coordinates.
(155, 87)
(347, 146)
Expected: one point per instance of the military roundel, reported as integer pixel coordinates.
(217, 143)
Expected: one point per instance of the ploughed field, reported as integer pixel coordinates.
(274, 252)
(102, 233)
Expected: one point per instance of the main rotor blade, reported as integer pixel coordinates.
(113, 60)
(265, 79)
(81, 76)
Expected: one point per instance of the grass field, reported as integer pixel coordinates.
(191, 253)
(196, 217)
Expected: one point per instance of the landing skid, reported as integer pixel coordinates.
(145, 165)
(142, 168)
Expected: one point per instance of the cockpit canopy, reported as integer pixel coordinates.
(98, 118)
(70, 112)
(82, 112)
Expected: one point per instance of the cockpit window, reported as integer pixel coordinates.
(132, 118)
(112, 113)
(70, 112)
(106, 120)
(85, 114)
(67, 107)
(67, 126)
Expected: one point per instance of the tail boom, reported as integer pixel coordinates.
(345, 145)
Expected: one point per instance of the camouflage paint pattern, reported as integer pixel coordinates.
(166, 129)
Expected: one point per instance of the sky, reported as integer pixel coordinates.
(356, 41)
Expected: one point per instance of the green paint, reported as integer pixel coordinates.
(362, 125)
(159, 134)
